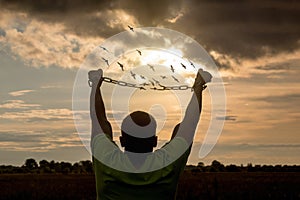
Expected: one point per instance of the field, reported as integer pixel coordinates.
(217, 185)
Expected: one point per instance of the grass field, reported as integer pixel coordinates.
(221, 185)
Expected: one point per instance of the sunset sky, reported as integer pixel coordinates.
(255, 45)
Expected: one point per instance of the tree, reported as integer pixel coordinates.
(31, 164)
(200, 164)
(87, 166)
(44, 166)
(44, 163)
(217, 166)
(65, 167)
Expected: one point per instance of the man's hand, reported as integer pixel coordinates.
(95, 76)
(201, 79)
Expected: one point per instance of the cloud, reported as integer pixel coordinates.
(227, 118)
(265, 64)
(243, 28)
(148, 12)
(68, 30)
(280, 98)
(17, 104)
(39, 115)
(47, 33)
(20, 92)
(48, 45)
(38, 141)
(174, 20)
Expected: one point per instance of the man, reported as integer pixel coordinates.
(129, 174)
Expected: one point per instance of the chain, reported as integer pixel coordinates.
(180, 87)
(122, 83)
(160, 88)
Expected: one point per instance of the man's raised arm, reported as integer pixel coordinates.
(187, 127)
(100, 124)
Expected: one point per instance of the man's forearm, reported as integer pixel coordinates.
(192, 116)
(100, 123)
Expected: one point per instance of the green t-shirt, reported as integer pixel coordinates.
(121, 183)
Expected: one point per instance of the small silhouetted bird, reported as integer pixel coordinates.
(151, 67)
(142, 77)
(121, 66)
(132, 74)
(105, 49)
(175, 78)
(163, 77)
(152, 83)
(172, 69)
(106, 61)
(145, 84)
(131, 28)
(192, 64)
(139, 52)
(183, 65)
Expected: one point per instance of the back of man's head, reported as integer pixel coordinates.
(138, 132)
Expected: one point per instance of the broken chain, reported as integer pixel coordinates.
(125, 84)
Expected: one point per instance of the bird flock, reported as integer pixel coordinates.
(152, 81)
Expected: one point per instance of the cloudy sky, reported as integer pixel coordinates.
(255, 44)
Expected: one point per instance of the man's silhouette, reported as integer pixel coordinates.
(130, 174)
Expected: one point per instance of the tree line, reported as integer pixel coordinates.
(49, 167)
(86, 167)
(217, 166)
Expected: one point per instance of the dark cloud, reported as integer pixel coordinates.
(227, 118)
(153, 12)
(237, 28)
(2, 32)
(243, 28)
(76, 14)
(56, 6)
(285, 98)
(40, 139)
(277, 66)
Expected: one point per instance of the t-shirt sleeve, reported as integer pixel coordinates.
(102, 146)
(175, 149)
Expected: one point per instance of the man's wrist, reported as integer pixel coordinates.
(198, 90)
(199, 86)
(96, 83)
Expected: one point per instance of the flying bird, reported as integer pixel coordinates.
(105, 49)
(131, 28)
(163, 77)
(152, 83)
(175, 79)
(156, 81)
(142, 77)
(192, 64)
(139, 52)
(151, 67)
(121, 66)
(145, 84)
(106, 61)
(132, 74)
(183, 65)
(172, 69)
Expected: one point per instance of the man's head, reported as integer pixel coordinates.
(138, 132)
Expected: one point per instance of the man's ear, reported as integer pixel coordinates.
(122, 141)
(155, 141)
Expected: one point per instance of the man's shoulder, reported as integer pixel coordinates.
(173, 153)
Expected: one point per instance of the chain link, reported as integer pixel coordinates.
(122, 83)
(160, 88)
